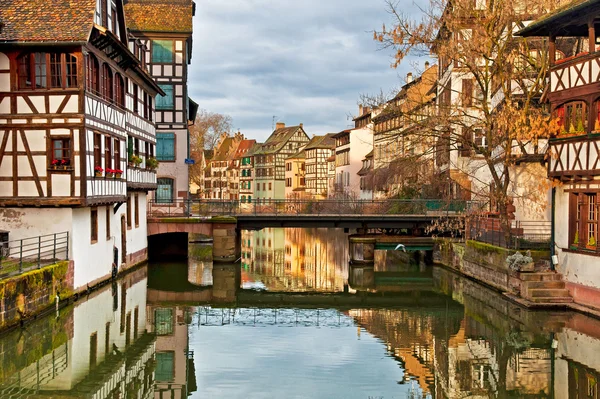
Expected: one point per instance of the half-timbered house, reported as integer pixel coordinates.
(75, 104)
(235, 170)
(574, 153)
(165, 28)
(269, 161)
(247, 174)
(318, 151)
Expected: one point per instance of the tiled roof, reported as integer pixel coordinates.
(244, 147)
(46, 20)
(299, 155)
(223, 150)
(278, 139)
(326, 141)
(559, 20)
(173, 16)
(255, 148)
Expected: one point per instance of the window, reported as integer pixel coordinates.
(113, 20)
(104, 13)
(93, 349)
(136, 205)
(583, 221)
(119, 91)
(162, 51)
(136, 101)
(163, 321)
(106, 83)
(164, 191)
(467, 92)
(97, 147)
(572, 117)
(94, 225)
(91, 74)
(108, 222)
(146, 108)
(165, 366)
(61, 151)
(117, 154)
(270, 186)
(129, 212)
(165, 146)
(47, 70)
(107, 153)
(166, 101)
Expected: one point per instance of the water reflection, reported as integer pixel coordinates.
(163, 332)
(280, 259)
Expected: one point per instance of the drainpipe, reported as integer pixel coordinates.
(552, 224)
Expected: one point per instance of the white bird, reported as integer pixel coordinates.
(400, 247)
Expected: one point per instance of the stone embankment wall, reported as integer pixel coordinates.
(26, 295)
(484, 262)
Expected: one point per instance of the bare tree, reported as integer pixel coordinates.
(204, 135)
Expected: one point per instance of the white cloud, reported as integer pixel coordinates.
(302, 61)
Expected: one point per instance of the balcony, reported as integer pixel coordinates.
(575, 157)
(139, 178)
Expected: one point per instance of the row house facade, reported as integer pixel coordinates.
(247, 173)
(234, 171)
(401, 154)
(269, 161)
(76, 104)
(366, 177)
(219, 164)
(295, 176)
(318, 152)
(165, 28)
(351, 147)
(573, 154)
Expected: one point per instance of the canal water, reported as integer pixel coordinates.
(304, 325)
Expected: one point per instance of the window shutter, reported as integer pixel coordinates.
(467, 92)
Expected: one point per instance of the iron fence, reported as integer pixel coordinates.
(19, 256)
(523, 234)
(206, 208)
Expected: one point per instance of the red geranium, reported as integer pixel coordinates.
(98, 169)
(55, 162)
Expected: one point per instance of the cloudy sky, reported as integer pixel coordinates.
(302, 61)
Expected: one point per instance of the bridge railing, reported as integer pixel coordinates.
(20, 256)
(206, 208)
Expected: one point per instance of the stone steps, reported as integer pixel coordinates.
(541, 299)
(545, 285)
(546, 276)
(548, 293)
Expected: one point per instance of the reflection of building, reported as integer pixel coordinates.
(98, 349)
(410, 336)
(296, 259)
(173, 359)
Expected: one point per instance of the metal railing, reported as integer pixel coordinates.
(524, 234)
(19, 256)
(297, 207)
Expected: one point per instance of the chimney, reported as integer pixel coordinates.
(426, 65)
(301, 125)
(279, 125)
(360, 110)
(409, 77)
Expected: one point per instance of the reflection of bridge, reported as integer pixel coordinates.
(398, 214)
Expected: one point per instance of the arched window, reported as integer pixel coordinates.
(119, 91)
(106, 83)
(91, 74)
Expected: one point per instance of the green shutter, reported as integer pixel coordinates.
(166, 101)
(162, 51)
(165, 146)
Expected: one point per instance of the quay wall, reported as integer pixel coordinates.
(26, 295)
(484, 262)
